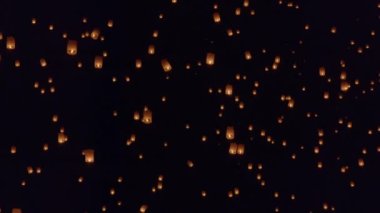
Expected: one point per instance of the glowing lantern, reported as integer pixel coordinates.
(136, 116)
(240, 149)
(210, 59)
(143, 208)
(230, 133)
(16, 210)
(247, 55)
(11, 43)
(98, 62)
(322, 71)
(344, 86)
(43, 62)
(217, 18)
(13, 149)
(229, 89)
(166, 65)
(95, 34)
(138, 63)
(72, 47)
(62, 138)
(147, 116)
(151, 49)
(233, 149)
(89, 155)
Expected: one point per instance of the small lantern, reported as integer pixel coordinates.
(11, 43)
(72, 47)
(248, 55)
(229, 89)
(166, 65)
(151, 49)
(344, 86)
(89, 156)
(210, 59)
(240, 149)
(62, 138)
(98, 62)
(230, 133)
(216, 17)
(43, 62)
(136, 116)
(147, 116)
(233, 149)
(138, 63)
(95, 34)
(16, 210)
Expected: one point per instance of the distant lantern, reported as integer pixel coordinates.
(136, 116)
(98, 62)
(11, 43)
(62, 138)
(72, 47)
(43, 62)
(322, 71)
(248, 55)
(240, 149)
(233, 149)
(89, 155)
(230, 133)
(229, 89)
(210, 59)
(216, 17)
(344, 86)
(147, 116)
(95, 34)
(13, 149)
(151, 49)
(16, 210)
(143, 208)
(138, 63)
(166, 66)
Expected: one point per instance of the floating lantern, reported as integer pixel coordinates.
(166, 65)
(43, 62)
(216, 17)
(147, 116)
(151, 49)
(16, 210)
(89, 156)
(95, 34)
(11, 43)
(233, 149)
(210, 59)
(138, 64)
(344, 86)
(229, 89)
(230, 133)
(72, 47)
(248, 55)
(62, 138)
(136, 116)
(98, 62)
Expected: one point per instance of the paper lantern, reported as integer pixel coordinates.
(216, 17)
(16, 210)
(166, 65)
(210, 59)
(229, 89)
(72, 47)
(230, 133)
(95, 34)
(344, 86)
(43, 62)
(151, 49)
(322, 71)
(62, 138)
(233, 149)
(240, 149)
(89, 156)
(248, 55)
(98, 62)
(138, 63)
(136, 116)
(11, 43)
(143, 208)
(147, 116)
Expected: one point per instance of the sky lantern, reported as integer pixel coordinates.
(62, 138)
(344, 86)
(248, 55)
(230, 133)
(147, 117)
(240, 149)
(72, 47)
(95, 34)
(166, 65)
(229, 89)
(16, 210)
(11, 43)
(210, 59)
(151, 49)
(216, 17)
(98, 62)
(89, 156)
(138, 63)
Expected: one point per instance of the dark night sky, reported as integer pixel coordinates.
(334, 171)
